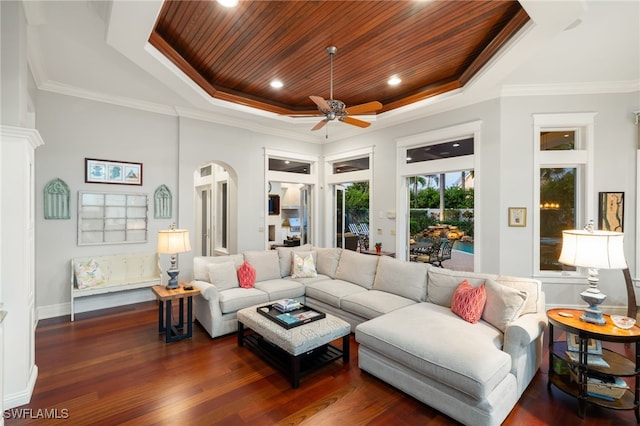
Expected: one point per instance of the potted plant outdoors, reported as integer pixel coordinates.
(378, 248)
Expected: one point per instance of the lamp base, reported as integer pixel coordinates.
(173, 279)
(593, 314)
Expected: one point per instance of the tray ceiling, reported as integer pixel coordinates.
(234, 54)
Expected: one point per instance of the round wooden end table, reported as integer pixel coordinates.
(587, 335)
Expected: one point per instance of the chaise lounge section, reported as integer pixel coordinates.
(402, 318)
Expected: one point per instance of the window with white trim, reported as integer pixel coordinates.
(563, 184)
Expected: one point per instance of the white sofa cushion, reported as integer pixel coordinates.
(223, 275)
(284, 257)
(201, 270)
(373, 303)
(332, 291)
(327, 260)
(435, 342)
(357, 268)
(281, 288)
(266, 264)
(406, 279)
(441, 283)
(237, 298)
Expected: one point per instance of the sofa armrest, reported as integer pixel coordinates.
(523, 342)
(523, 331)
(208, 291)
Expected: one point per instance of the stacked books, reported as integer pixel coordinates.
(287, 305)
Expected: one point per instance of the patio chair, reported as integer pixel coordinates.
(365, 229)
(430, 254)
(354, 229)
(443, 254)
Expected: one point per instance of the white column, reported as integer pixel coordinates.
(17, 261)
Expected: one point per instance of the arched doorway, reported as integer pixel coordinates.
(216, 194)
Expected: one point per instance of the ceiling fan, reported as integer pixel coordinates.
(334, 109)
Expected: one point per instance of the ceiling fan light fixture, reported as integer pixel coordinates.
(394, 80)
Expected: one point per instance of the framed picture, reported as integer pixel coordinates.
(611, 211)
(517, 216)
(113, 172)
(593, 346)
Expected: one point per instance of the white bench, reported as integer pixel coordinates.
(96, 275)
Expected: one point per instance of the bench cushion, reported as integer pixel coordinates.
(434, 342)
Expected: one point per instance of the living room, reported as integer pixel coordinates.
(173, 143)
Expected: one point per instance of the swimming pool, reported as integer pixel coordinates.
(463, 246)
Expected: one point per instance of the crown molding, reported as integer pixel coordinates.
(65, 89)
(570, 88)
(242, 123)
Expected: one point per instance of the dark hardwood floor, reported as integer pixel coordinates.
(112, 367)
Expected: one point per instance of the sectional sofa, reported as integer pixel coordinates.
(403, 319)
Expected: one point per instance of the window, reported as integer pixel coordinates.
(111, 218)
(438, 175)
(563, 184)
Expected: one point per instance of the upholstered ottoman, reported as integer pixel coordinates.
(295, 351)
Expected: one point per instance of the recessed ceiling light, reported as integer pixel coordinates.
(394, 80)
(455, 145)
(276, 84)
(228, 3)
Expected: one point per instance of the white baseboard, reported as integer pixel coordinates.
(93, 303)
(23, 396)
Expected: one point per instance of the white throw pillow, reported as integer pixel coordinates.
(88, 274)
(504, 304)
(303, 265)
(284, 255)
(223, 275)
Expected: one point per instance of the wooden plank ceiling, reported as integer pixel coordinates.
(234, 54)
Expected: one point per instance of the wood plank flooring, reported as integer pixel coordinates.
(112, 367)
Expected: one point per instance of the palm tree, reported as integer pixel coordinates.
(416, 182)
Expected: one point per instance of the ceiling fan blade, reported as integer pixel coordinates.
(322, 104)
(355, 122)
(362, 108)
(320, 125)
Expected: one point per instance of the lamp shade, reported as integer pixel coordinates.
(593, 249)
(173, 241)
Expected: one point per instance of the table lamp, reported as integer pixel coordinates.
(594, 250)
(173, 241)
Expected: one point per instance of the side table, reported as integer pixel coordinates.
(619, 365)
(174, 333)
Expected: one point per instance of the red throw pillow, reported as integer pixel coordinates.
(468, 302)
(246, 275)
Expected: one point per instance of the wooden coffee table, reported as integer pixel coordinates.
(296, 351)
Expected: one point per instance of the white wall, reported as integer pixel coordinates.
(75, 129)
(172, 149)
(242, 150)
(615, 170)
